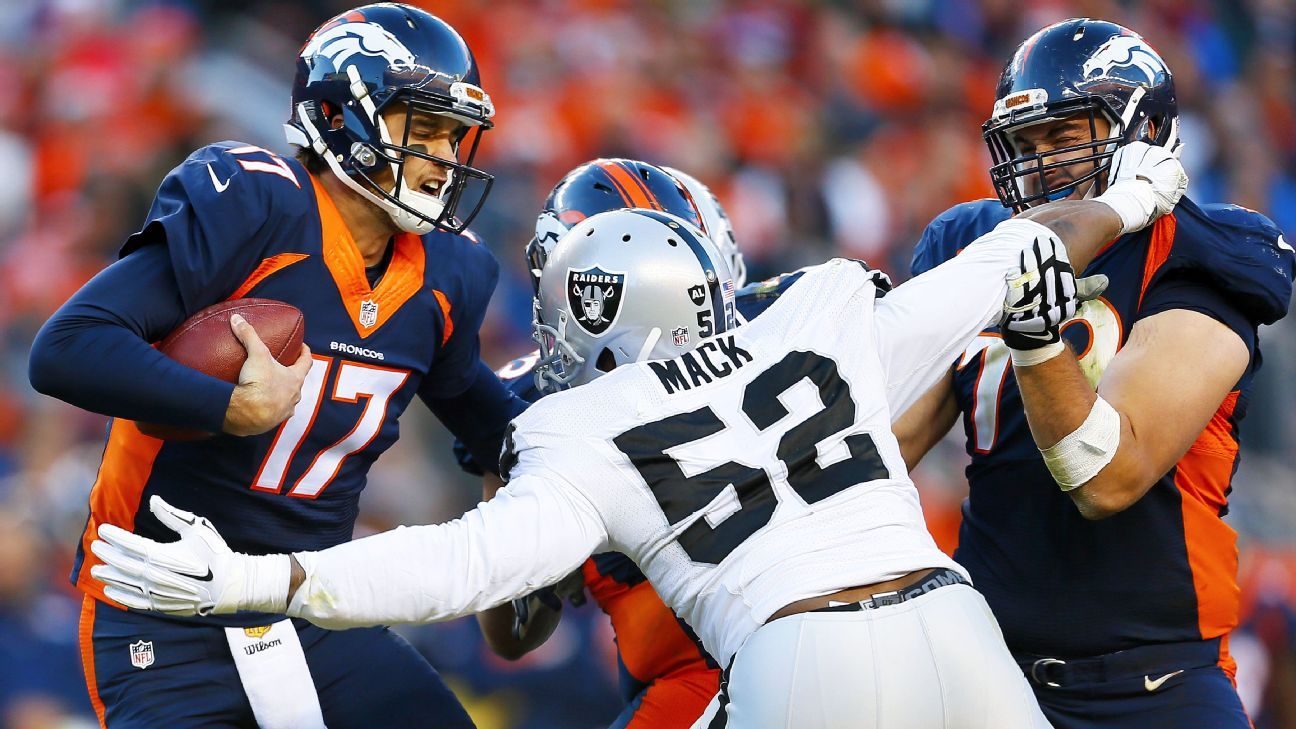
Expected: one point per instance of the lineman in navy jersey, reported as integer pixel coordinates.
(365, 233)
(1117, 595)
(754, 477)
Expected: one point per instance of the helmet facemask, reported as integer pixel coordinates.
(1020, 179)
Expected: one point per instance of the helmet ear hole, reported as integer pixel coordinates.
(606, 361)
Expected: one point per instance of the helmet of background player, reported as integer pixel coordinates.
(603, 303)
(603, 185)
(1085, 69)
(384, 57)
(717, 223)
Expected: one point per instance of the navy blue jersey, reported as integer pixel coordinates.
(1165, 569)
(240, 221)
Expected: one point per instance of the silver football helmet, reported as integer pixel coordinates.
(716, 222)
(624, 286)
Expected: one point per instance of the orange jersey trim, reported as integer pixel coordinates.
(85, 639)
(650, 641)
(267, 268)
(403, 279)
(1163, 234)
(1202, 477)
(115, 497)
(444, 303)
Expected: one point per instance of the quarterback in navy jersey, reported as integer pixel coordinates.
(366, 233)
(1112, 572)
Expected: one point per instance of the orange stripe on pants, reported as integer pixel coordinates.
(85, 637)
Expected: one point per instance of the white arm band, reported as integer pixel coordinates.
(1087, 450)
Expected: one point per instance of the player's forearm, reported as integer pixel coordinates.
(922, 426)
(503, 549)
(1084, 226)
(107, 369)
(1058, 399)
(94, 352)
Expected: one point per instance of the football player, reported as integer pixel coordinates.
(666, 677)
(366, 233)
(751, 473)
(1100, 542)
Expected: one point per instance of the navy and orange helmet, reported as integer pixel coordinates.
(1077, 68)
(597, 187)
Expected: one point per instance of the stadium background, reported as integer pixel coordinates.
(826, 128)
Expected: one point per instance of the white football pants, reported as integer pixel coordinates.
(937, 661)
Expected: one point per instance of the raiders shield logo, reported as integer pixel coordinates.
(594, 298)
(141, 653)
(697, 294)
(368, 313)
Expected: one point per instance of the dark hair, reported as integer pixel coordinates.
(313, 163)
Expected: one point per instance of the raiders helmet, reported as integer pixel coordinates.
(624, 286)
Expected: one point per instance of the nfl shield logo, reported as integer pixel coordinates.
(681, 336)
(142, 654)
(368, 313)
(594, 297)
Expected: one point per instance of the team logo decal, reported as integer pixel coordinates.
(368, 313)
(697, 294)
(1124, 51)
(681, 336)
(594, 296)
(341, 42)
(257, 633)
(141, 654)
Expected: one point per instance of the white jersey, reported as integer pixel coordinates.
(754, 471)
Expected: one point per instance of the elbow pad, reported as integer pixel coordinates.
(1084, 452)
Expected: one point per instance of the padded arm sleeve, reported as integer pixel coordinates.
(533, 533)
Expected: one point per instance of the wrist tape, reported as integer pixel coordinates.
(1133, 200)
(1032, 357)
(265, 583)
(1087, 450)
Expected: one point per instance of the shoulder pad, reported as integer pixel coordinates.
(953, 229)
(1238, 251)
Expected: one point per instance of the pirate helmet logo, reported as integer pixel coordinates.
(594, 297)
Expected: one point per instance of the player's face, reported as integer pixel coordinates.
(431, 134)
(1045, 137)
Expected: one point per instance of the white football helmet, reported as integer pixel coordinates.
(603, 303)
(716, 222)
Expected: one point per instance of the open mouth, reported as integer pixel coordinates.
(432, 187)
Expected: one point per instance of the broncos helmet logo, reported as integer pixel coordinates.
(341, 42)
(1124, 51)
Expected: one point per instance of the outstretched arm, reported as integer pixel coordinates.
(532, 534)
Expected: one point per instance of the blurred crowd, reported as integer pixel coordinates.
(825, 128)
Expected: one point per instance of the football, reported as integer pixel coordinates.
(206, 343)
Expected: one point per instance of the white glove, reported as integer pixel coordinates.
(197, 575)
(1144, 183)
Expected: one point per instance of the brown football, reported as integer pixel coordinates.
(206, 343)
